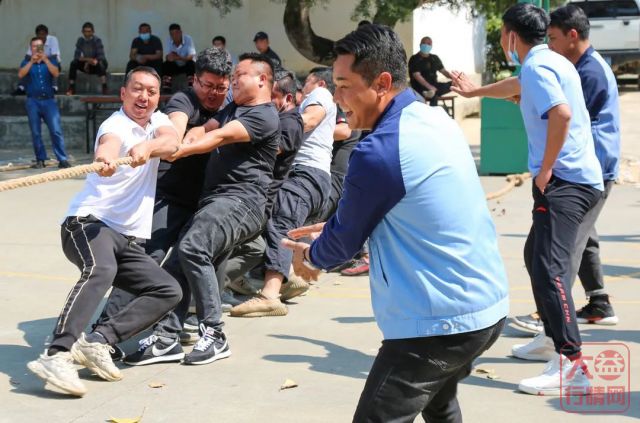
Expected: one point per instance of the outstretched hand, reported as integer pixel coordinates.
(462, 85)
(311, 231)
(300, 266)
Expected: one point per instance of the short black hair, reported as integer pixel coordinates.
(144, 24)
(528, 21)
(324, 73)
(377, 49)
(364, 22)
(88, 25)
(145, 69)
(219, 38)
(260, 58)
(42, 27)
(174, 26)
(285, 82)
(213, 60)
(571, 17)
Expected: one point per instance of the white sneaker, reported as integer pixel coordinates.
(540, 349)
(59, 370)
(96, 357)
(558, 374)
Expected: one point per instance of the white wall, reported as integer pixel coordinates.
(116, 23)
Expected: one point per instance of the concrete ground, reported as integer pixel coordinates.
(326, 344)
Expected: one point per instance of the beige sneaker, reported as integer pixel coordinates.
(259, 306)
(294, 287)
(96, 357)
(58, 370)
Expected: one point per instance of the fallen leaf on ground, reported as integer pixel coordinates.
(156, 385)
(493, 376)
(288, 384)
(484, 371)
(127, 419)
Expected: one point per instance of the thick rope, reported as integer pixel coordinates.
(57, 175)
(513, 181)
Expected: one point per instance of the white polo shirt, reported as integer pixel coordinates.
(124, 201)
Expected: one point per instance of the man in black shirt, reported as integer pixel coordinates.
(243, 140)
(262, 45)
(423, 73)
(146, 49)
(179, 183)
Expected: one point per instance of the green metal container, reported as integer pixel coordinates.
(503, 140)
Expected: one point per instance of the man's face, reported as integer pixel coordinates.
(262, 45)
(504, 42)
(87, 33)
(356, 98)
(426, 40)
(42, 35)
(35, 44)
(211, 90)
(279, 99)
(310, 84)
(560, 42)
(140, 97)
(144, 30)
(246, 81)
(176, 36)
(219, 44)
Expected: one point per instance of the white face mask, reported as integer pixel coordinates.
(513, 57)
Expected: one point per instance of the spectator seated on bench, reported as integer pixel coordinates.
(88, 58)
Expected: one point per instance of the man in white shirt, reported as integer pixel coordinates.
(99, 235)
(301, 196)
(180, 57)
(51, 48)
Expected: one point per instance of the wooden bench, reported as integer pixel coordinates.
(99, 104)
(448, 103)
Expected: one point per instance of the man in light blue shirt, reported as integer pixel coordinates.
(438, 287)
(179, 59)
(567, 185)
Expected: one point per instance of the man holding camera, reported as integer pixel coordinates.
(39, 72)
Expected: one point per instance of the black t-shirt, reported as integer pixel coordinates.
(342, 149)
(245, 169)
(151, 47)
(291, 129)
(427, 66)
(275, 59)
(181, 181)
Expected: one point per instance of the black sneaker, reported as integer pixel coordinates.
(212, 346)
(117, 354)
(598, 311)
(64, 164)
(153, 350)
(191, 324)
(38, 165)
(530, 322)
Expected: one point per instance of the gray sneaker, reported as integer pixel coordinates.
(96, 357)
(530, 322)
(58, 370)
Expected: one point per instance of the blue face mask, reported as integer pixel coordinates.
(145, 37)
(513, 54)
(425, 48)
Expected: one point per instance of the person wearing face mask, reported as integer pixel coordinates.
(146, 49)
(423, 73)
(567, 185)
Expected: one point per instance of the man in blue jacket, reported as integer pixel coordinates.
(438, 286)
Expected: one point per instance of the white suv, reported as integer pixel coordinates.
(615, 28)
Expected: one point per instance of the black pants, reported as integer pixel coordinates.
(198, 260)
(586, 257)
(155, 64)
(442, 88)
(168, 220)
(301, 196)
(557, 215)
(99, 69)
(421, 375)
(107, 258)
(172, 68)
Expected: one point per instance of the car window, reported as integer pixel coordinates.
(609, 9)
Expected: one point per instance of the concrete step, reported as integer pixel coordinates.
(85, 84)
(15, 105)
(15, 132)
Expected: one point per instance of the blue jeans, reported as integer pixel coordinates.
(46, 109)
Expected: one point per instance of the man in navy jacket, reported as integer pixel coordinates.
(438, 286)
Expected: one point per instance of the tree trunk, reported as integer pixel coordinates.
(297, 25)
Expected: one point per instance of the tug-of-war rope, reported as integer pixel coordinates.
(514, 180)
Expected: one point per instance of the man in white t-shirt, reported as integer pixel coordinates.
(300, 197)
(99, 235)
